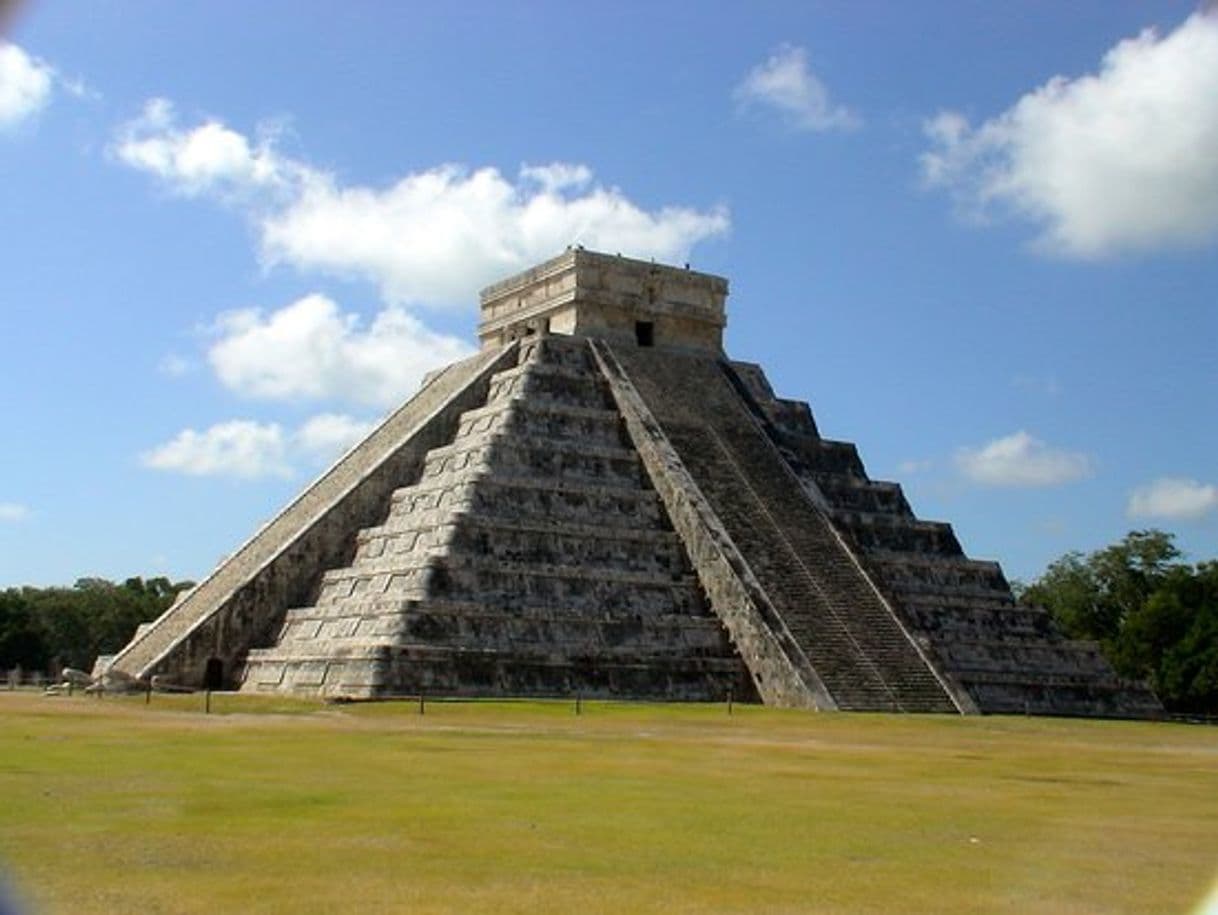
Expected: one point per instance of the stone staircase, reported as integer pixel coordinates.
(850, 637)
(1007, 658)
(532, 557)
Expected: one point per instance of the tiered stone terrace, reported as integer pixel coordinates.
(531, 558)
(1003, 656)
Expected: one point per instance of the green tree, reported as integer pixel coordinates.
(1187, 670)
(1069, 590)
(21, 640)
(1155, 617)
(40, 627)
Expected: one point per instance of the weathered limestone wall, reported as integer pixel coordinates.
(241, 603)
(598, 295)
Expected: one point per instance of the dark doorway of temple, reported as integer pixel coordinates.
(213, 676)
(644, 333)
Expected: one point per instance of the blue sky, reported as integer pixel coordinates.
(980, 239)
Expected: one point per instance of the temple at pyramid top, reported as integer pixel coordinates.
(619, 299)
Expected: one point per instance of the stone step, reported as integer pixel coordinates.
(394, 618)
(909, 570)
(550, 383)
(463, 458)
(650, 638)
(552, 458)
(1034, 679)
(898, 533)
(546, 419)
(383, 606)
(301, 649)
(604, 501)
(557, 350)
(402, 529)
(950, 599)
(792, 417)
(1041, 696)
(852, 494)
(471, 672)
(620, 549)
(405, 534)
(646, 551)
(429, 623)
(422, 538)
(907, 590)
(507, 584)
(574, 364)
(1002, 657)
(942, 622)
(456, 562)
(826, 457)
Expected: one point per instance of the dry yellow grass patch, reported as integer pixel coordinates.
(280, 806)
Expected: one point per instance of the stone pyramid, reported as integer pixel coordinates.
(601, 503)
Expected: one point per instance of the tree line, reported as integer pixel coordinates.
(45, 629)
(1155, 616)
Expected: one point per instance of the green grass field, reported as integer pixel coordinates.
(279, 806)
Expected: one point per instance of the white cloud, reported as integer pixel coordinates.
(912, 466)
(1173, 498)
(557, 176)
(309, 349)
(208, 158)
(785, 83)
(239, 448)
(12, 512)
(1021, 460)
(433, 237)
(438, 236)
(250, 450)
(25, 85)
(328, 435)
(1120, 160)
